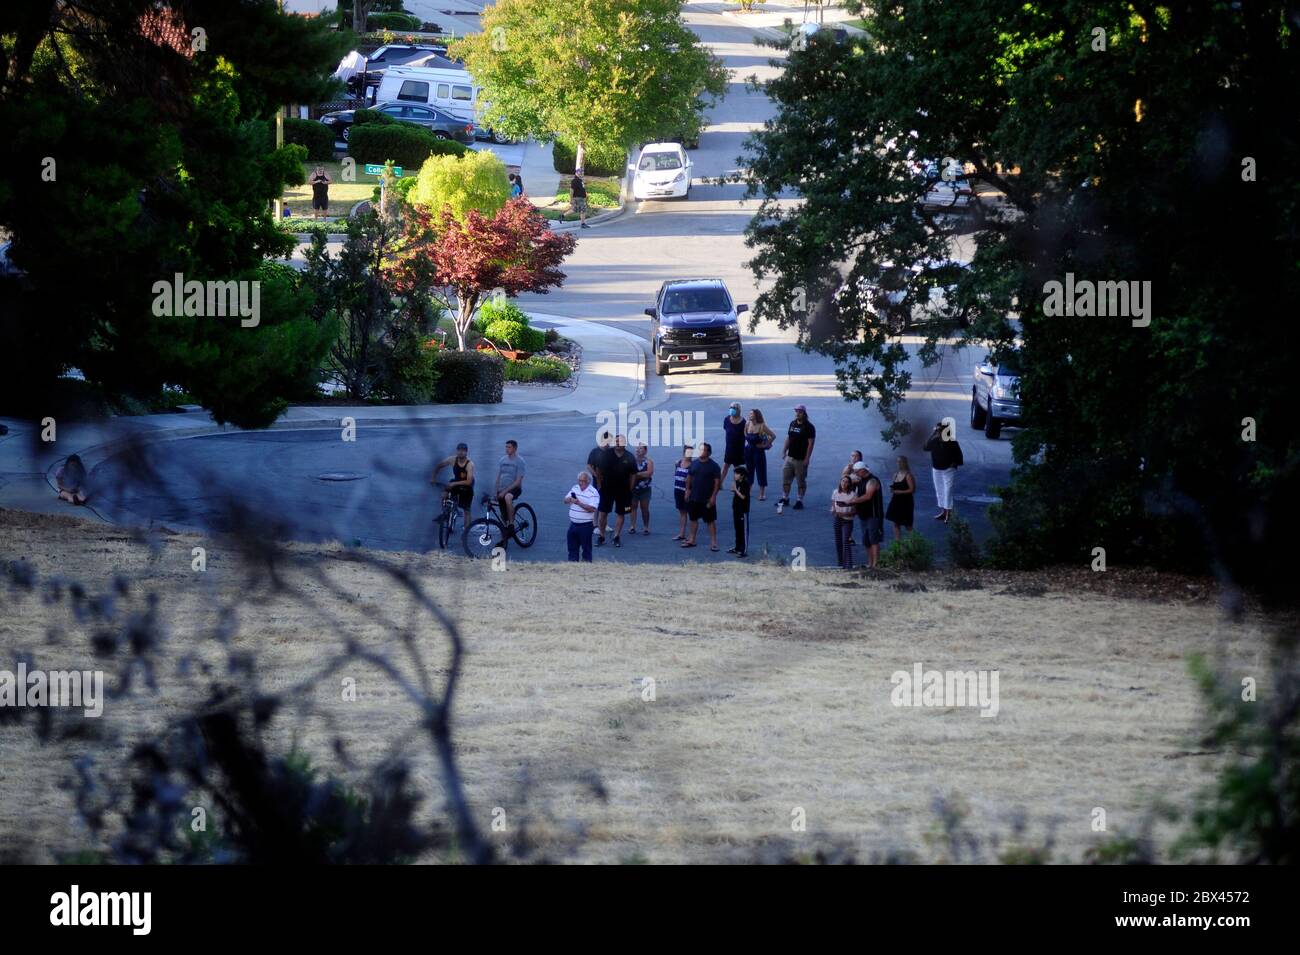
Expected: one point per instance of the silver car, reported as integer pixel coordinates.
(995, 394)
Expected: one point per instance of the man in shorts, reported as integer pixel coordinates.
(578, 198)
(510, 482)
(618, 470)
(461, 486)
(797, 455)
(703, 482)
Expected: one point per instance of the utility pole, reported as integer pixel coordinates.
(277, 204)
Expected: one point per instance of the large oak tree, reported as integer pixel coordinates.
(1128, 141)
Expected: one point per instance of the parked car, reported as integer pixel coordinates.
(7, 268)
(662, 171)
(695, 322)
(443, 125)
(995, 394)
(885, 298)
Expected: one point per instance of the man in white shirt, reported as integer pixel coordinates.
(583, 499)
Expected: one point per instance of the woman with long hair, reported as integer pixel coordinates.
(843, 510)
(902, 501)
(758, 439)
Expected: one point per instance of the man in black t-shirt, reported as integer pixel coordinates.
(617, 468)
(578, 198)
(703, 481)
(797, 454)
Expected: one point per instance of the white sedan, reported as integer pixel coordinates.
(663, 171)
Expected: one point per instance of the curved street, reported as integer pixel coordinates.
(612, 276)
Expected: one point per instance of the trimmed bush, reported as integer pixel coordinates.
(962, 549)
(499, 309)
(317, 137)
(910, 552)
(538, 368)
(392, 21)
(362, 116)
(599, 162)
(406, 145)
(503, 333)
(469, 377)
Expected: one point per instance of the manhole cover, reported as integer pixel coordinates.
(342, 476)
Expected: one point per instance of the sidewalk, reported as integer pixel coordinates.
(613, 372)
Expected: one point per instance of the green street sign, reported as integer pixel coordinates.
(373, 170)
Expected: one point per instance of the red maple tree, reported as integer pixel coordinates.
(514, 251)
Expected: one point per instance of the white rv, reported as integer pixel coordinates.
(450, 90)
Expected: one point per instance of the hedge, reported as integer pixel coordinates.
(360, 116)
(469, 377)
(317, 137)
(599, 162)
(406, 145)
(393, 21)
(520, 337)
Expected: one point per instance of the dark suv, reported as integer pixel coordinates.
(995, 394)
(695, 322)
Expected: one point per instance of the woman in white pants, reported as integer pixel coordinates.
(945, 459)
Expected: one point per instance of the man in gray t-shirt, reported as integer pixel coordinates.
(510, 480)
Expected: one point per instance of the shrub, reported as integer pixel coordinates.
(468, 377)
(538, 368)
(363, 116)
(552, 337)
(500, 309)
(392, 21)
(600, 162)
(910, 552)
(317, 137)
(406, 145)
(411, 371)
(474, 180)
(962, 549)
(503, 332)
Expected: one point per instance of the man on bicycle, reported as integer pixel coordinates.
(510, 483)
(461, 486)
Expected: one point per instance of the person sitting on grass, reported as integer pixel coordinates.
(71, 480)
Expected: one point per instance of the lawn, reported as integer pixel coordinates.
(343, 195)
(602, 192)
(772, 693)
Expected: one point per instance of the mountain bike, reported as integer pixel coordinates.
(449, 519)
(488, 532)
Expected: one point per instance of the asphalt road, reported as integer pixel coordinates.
(612, 277)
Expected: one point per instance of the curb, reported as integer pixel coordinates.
(97, 453)
(770, 33)
(636, 340)
(608, 216)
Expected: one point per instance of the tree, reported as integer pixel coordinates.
(1127, 143)
(476, 180)
(606, 73)
(142, 149)
(514, 251)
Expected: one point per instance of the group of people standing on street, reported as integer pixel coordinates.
(619, 482)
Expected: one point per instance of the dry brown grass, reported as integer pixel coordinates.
(772, 692)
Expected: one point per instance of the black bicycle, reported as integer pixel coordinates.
(449, 520)
(488, 532)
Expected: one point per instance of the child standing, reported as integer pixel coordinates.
(740, 510)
